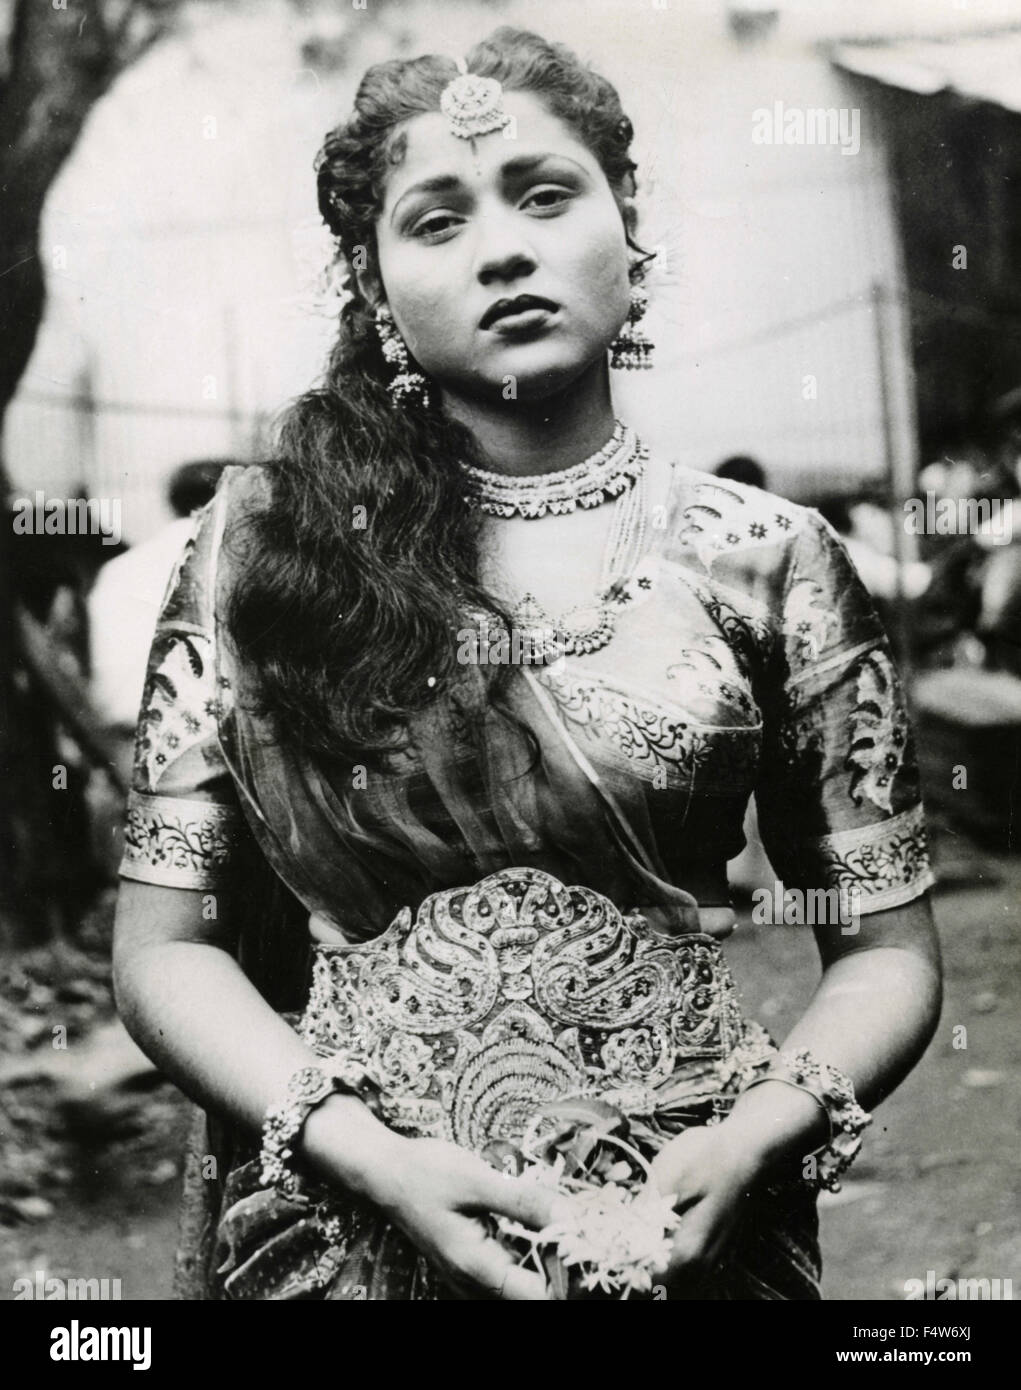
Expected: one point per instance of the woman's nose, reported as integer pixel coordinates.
(503, 254)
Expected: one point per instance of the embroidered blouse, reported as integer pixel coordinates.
(747, 659)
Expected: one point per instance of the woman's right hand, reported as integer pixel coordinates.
(439, 1195)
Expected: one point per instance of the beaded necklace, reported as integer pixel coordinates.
(605, 474)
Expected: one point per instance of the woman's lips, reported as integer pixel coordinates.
(522, 310)
(522, 320)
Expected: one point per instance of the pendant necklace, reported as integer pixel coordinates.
(587, 627)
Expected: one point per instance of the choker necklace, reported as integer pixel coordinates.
(615, 468)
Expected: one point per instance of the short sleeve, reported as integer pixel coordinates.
(838, 791)
(183, 822)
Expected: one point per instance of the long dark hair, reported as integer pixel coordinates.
(360, 564)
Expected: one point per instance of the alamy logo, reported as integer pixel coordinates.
(51, 1288)
(814, 125)
(68, 516)
(931, 1288)
(960, 516)
(77, 1343)
(517, 646)
(814, 907)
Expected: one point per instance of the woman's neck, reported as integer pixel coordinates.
(544, 436)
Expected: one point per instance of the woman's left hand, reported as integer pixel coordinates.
(712, 1178)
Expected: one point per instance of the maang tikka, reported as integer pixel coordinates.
(406, 387)
(473, 105)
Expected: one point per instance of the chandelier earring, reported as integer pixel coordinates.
(406, 387)
(631, 349)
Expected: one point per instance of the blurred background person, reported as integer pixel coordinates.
(866, 527)
(741, 468)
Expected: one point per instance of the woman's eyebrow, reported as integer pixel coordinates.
(441, 183)
(528, 163)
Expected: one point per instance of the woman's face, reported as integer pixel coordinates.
(467, 224)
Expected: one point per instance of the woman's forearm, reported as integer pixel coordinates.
(871, 1017)
(191, 1009)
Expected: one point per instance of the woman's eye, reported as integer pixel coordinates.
(436, 224)
(547, 199)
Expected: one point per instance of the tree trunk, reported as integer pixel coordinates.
(61, 61)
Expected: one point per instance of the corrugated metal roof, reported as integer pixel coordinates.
(981, 67)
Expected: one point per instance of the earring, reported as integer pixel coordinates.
(407, 387)
(631, 349)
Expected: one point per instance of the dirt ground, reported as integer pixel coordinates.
(936, 1187)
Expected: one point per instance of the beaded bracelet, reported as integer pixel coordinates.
(835, 1093)
(307, 1088)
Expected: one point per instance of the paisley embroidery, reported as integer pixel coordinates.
(879, 733)
(405, 1063)
(734, 702)
(808, 620)
(724, 518)
(435, 1009)
(181, 704)
(178, 842)
(639, 1055)
(745, 635)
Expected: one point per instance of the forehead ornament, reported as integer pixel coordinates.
(473, 105)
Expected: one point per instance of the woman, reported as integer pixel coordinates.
(469, 661)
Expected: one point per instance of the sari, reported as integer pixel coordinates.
(519, 885)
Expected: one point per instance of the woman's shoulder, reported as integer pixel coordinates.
(712, 518)
(188, 599)
(243, 487)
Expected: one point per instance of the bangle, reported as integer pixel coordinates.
(835, 1093)
(307, 1088)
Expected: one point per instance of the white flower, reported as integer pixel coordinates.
(617, 1239)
